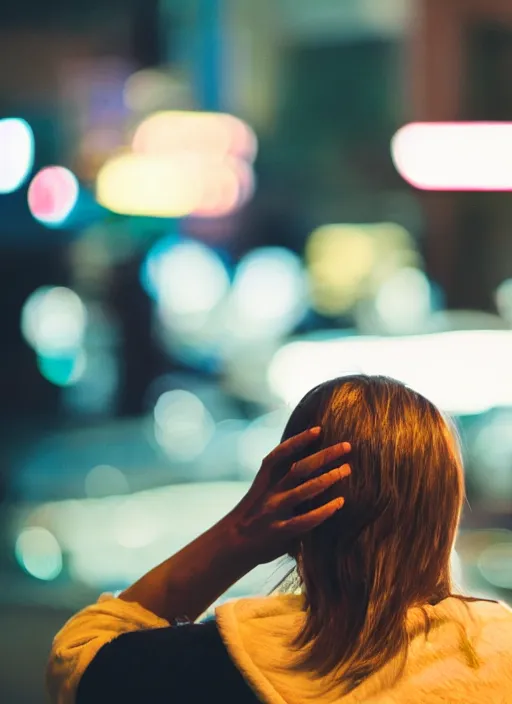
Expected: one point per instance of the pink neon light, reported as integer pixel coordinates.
(52, 194)
(455, 156)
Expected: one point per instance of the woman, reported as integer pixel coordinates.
(376, 620)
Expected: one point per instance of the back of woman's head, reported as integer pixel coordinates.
(389, 548)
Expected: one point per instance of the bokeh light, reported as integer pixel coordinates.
(105, 480)
(53, 320)
(404, 302)
(171, 132)
(110, 541)
(495, 564)
(186, 278)
(16, 153)
(430, 364)
(182, 163)
(134, 184)
(52, 195)
(39, 553)
(269, 294)
(491, 448)
(183, 424)
(468, 156)
(227, 185)
(135, 526)
(151, 269)
(347, 263)
(175, 185)
(63, 369)
(258, 439)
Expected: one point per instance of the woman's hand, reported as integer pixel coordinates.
(259, 529)
(266, 521)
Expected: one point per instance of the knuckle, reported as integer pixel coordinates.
(271, 505)
(341, 473)
(326, 480)
(347, 470)
(319, 485)
(284, 528)
(299, 470)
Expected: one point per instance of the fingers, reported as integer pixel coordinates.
(308, 521)
(311, 464)
(293, 447)
(315, 486)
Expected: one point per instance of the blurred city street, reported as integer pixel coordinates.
(206, 209)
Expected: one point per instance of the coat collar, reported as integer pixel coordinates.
(439, 670)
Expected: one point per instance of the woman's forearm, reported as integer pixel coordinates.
(190, 581)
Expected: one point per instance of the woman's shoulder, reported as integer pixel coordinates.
(481, 610)
(492, 610)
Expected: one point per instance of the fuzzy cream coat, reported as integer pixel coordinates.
(440, 669)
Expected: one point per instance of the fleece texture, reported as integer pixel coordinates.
(257, 631)
(80, 639)
(439, 670)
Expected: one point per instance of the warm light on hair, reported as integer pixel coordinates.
(389, 549)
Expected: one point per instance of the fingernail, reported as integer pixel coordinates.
(316, 431)
(345, 470)
(347, 446)
(341, 503)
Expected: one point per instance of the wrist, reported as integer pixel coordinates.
(232, 547)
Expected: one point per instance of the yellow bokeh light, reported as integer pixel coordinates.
(348, 262)
(149, 186)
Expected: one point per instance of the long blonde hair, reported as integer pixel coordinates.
(389, 548)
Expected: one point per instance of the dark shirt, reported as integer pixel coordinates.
(187, 663)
